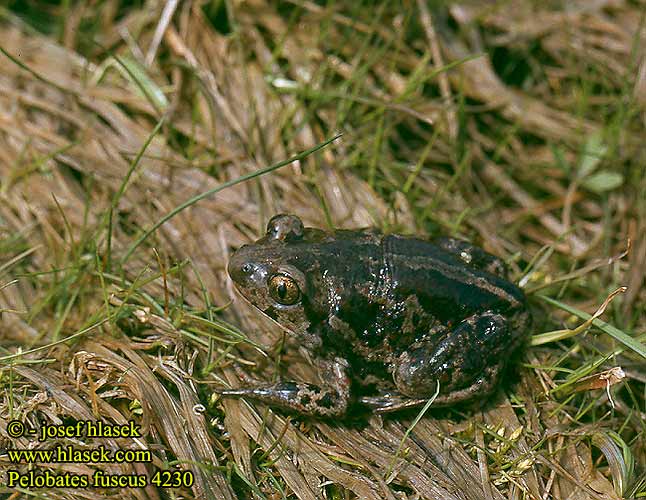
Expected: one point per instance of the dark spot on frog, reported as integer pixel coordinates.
(326, 401)
(370, 307)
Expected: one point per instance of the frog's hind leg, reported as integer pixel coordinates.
(395, 401)
(466, 361)
(329, 400)
(474, 256)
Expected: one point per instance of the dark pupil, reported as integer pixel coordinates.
(281, 289)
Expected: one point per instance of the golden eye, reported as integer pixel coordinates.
(283, 289)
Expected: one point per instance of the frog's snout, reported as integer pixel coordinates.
(241, 270)
(236, 264)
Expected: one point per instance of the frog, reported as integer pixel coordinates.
(413, 319)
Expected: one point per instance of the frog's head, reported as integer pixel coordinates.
(273, 273)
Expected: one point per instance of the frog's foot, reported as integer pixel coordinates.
(303, 398)
(394, 401)
(389, 401)
(474, 256)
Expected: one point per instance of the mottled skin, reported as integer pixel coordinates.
(402, 313)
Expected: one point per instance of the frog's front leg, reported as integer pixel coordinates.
(474, 256)
(329, 399)
(466, 361)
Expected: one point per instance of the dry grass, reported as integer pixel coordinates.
(517, 125)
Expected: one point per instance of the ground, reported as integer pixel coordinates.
(141, 143)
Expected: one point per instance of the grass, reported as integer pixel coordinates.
(132, 164)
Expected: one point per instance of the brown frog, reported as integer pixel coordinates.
(402, 314)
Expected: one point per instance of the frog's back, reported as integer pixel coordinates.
(391, 272)
(442, 282)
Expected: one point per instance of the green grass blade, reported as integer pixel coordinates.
(614, 332)
(227, 184)
(122, 188)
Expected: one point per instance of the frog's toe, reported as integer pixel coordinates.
(388, 402)
(231, 393)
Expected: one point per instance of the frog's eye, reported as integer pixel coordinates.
(284, 227)
(283, 289)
